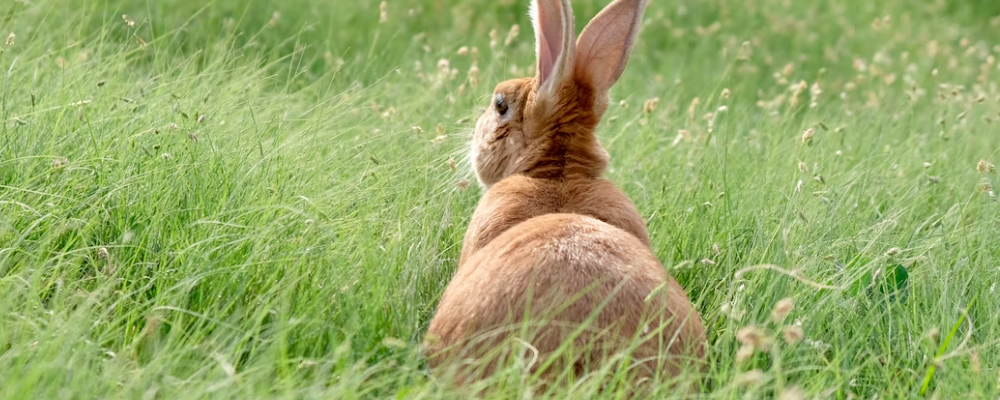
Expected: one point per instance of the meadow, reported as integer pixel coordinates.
(253, 199)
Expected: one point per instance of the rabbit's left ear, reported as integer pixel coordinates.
(606, 43)
(555, 47)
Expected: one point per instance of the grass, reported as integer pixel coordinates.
(240, 199)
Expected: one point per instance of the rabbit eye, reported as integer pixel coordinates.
(501, 104)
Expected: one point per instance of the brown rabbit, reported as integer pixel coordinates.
(556, 257)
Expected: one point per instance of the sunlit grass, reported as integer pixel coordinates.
(266, 199)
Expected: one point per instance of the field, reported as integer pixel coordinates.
(252, 199)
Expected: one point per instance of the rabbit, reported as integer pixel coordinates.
(557, 258)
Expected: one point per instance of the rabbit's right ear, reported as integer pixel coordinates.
(555, 42)
(606, 43)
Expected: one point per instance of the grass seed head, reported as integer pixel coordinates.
(744, 353)
(983, 167)
(745, 51)
(782, 308)
(986, 187)
(693, 108)
(974, 363)
(933, 336)
(683, 135)
(650, 105)
(512, 35)
(752, 377)
(753, 336)
(807, 136)
(797, 90)
(393, 343)
(10, 39)
(494, 36)
(815, 91)
(792, 393)
(383, 12)
(793, 334)
(474, 76)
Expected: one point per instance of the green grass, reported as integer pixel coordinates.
(230, 200)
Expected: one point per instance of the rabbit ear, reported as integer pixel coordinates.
(606, 42)
(554, 41)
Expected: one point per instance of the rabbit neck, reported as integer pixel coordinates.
(519, 198)
(565, 145)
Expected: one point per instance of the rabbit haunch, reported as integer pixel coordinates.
(552, 244)
(559, 272)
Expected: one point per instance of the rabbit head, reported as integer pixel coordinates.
(544, 126)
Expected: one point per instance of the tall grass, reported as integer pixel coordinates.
(249, 199)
